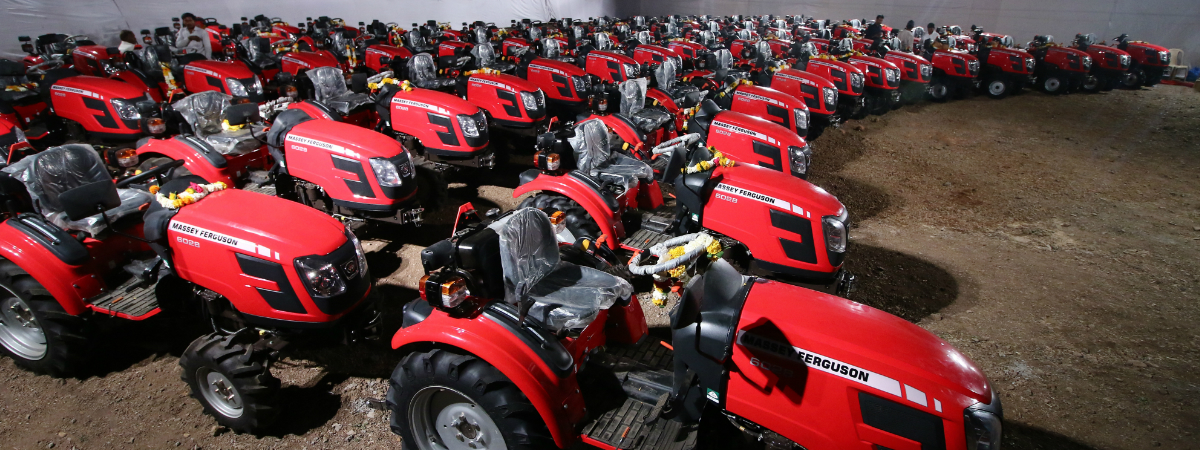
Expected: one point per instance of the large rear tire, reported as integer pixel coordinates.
(35, 330)
(439, 398)
(232, 380)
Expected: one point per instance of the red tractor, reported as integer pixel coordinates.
(849, 81)
(1005, 69)
(1110, 65)
(520, 343)
(101, 109)
(437, 126)
(22, 107)
(14, 145)
(78, 251)
(954, 71)
(1150, 61)
(819, 95)
(615, 199)
(1059, 70)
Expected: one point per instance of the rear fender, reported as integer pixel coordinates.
(622, 128)
(195, 163)
(589, 199)
(555, 397)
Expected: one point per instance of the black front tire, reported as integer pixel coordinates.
(997, 88)
(67, 347)
(512, 415)
(227, 365)
(939, 91)
(1053, 84)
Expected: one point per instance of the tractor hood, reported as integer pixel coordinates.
(556, 66)
(259, 224)
(879, 352)
(220, 69)
(432, 100)
(310, 60)
(778, 188)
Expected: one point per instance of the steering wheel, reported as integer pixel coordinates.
(159, 170)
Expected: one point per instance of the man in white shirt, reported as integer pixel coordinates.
(128, 41)
(193, 39)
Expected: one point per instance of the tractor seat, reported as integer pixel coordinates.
(594, 156)
(648, 120)
(330, 86)
(59, 169)
(422, 72)
(204, 113)
(566, 297)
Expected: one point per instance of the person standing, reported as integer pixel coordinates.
(875, 29)
(931, 34)
(128, 41)
(906, 37)
(191, 38)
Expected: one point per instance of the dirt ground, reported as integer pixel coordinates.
(1054, 240)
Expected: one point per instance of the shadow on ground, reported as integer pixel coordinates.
(899, 283)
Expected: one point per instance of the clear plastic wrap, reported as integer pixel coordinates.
(485, 55)
(724, 60)
(594, 157)
(414, 38)
(421, 67)
(633, 95)
(535, 33)
(48, 174)
(643, 37)
(664, 74)
(550, 49)
(565, 296)
(202, 111)
(763, 49)
(330, 85)
(603, 42)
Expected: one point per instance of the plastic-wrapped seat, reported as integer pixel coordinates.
(594, 156)
(485, 56)
(331, 90)
(633, 106)
(565, 296)
(203, 113)
(422, 73)
(48, 174)
(12, 73)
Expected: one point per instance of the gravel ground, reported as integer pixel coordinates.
(1054, 240)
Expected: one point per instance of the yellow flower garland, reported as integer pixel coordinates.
(193, 194)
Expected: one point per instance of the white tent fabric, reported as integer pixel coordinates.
(1169, 23)
(102, 20)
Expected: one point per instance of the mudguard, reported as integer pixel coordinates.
(230, 170)
(588, 198)
(243, 245)
(770, 104)
(843, 366)
(777, 216)
(336, 156)
(609, 66)
(294, 62)
(554, 79)
(69, 284)
(555, 397)
(805, 86)
(752, 140)
(87, 100)
(500, 96)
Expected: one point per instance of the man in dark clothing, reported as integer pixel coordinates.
(875, 29)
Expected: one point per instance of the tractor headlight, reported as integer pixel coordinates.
(1165, 57)
(471, 126)
(801, 118)
(835, 234)
(1124, 61)
(801, 158)
(256, 86)
(236, 88)
(983, 429)
(856, 80)
(385, 172)
(893, 75)
(1087, 63)
(581, 83)
(320, 277)
(830, 97)
(926, 70)
(533, 100)
(1029, 63)
(126, 109)
(631, 70)
(359, 254)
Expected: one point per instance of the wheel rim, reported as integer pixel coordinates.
(939, 91)
(996, 88)
(219, 393)
(444, 419)
(1052, 84)
(20, 332)
(1130, 79)
(1091, 83)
